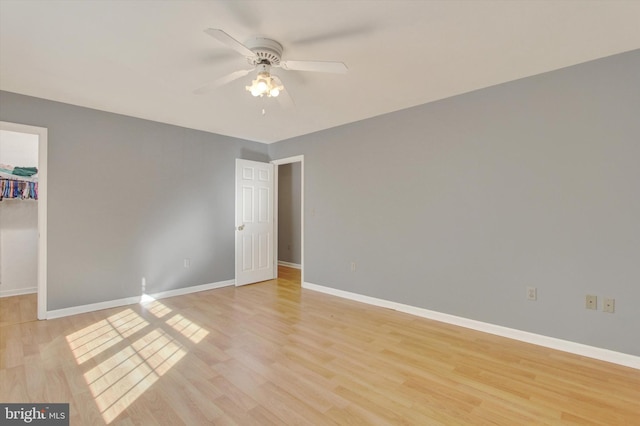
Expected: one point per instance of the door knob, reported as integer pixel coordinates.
(240, 228)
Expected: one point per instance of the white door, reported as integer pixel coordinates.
(254, 222)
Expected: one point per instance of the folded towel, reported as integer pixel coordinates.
(25, 171)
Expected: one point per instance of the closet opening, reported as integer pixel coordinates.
(23, 154)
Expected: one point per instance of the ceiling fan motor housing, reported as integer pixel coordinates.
(267, 51)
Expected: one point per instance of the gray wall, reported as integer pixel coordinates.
(130, 198)
(289, 204)
(458, 205)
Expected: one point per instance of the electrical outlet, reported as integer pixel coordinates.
(591, 302)
(609, 305)
(187, 263)
(353, 266)
(532, 293)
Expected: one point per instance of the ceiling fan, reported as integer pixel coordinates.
(264, 54)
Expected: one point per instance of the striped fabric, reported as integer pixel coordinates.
(10, 188)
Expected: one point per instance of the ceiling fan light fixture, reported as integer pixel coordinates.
(254, 90)
(264, 85)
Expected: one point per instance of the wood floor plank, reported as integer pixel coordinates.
(233, 414)
(18, 309)
(83, 410)
(273, 353)
(234, 393)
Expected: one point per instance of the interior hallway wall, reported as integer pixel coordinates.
(289, 204)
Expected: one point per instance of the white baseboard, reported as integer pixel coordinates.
(289, 264)
(607, 355)
(189, 290)
(58, 313)
(18, 291)
(83, 309)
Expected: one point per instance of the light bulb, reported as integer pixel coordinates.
(255, 91)
(262, 86)
(274, 92)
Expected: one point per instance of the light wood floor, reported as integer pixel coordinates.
(273, 353)
(17, 309)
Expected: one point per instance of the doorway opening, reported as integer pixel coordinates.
(38, 137)
(289, 213)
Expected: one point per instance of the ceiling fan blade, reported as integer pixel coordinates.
(222, 81)
(317, 66)
(284, 98)
(225, 38)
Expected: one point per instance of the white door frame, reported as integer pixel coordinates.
(276, 163)
(41, 132)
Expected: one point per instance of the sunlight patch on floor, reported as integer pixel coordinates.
(97, 338)
(187, 328)
(119, 380)
(156, 308)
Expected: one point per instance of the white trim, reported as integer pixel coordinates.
(41, 132)
(276, 206)
(276, 163)
(83, 309)
(75, 310)
(194, 289)
(18, 291)
(289, 264)
(288, 160)
(607, 355)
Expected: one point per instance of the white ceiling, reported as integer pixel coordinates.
(145, 58)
